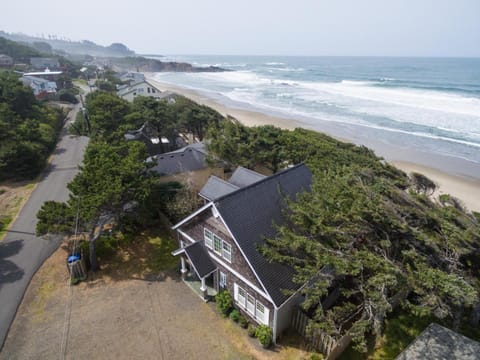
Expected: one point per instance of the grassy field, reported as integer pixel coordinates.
(12, 197)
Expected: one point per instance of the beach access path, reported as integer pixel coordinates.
(21, 251)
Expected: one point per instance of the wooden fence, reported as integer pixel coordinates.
(320, 341)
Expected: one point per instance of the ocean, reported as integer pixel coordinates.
(423, 106)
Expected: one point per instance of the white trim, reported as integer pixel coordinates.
(178, 251)
(234, 272)
(191, 216)
(210, 237)
(222, 279)
(187, 236)
(246, 259)
(240, 277)
(250, 307)
(291, 296)
(275, 326)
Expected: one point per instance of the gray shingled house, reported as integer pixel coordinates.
(187, 165)
(219, 245)
(439, 343)
(217, 187)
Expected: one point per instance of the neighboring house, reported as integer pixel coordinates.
(131, 78)
(143, 88)
(217, 187)
(42, 88)
(5, 60)
(152, 141)
(187, 165)
(439, 343)
(219, 247)
(43, 63)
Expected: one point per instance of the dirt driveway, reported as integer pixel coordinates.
(124, 317)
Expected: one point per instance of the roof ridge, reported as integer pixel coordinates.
(268, 178)
(224, 181)
(250, 171)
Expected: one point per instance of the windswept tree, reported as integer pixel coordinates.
(366, 239)
(361, 258)
(112, 181)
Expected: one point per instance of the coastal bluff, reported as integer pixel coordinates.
(142, 64)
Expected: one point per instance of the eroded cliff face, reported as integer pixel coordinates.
(141, 64)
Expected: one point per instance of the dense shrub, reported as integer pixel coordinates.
(235, 315)
(242, 321)
(251, 330)
(224, 302)
(264, 335)
(68, 96)
(28, 129)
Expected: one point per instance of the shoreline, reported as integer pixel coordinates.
(465, 187)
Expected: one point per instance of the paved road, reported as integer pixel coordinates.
(21, 252)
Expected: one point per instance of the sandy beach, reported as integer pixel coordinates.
(465, 188)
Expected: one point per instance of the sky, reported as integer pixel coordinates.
(259, 27)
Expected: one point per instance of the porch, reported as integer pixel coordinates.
(194, 283)
(198, 271)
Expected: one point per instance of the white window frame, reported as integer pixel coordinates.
(260, 314)
(250, 304)
(218, 240)
(222, 279)
(227, 254)
(252, 307)
(208, 236)
(224, 249)
(241, 299)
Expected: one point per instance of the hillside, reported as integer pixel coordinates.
(19, 52)
(84, 47)
(142, 64)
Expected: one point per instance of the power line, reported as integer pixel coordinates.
(68, 303)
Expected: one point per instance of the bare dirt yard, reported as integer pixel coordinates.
(136, 307)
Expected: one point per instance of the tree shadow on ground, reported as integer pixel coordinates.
(9, 271)
(146, 257)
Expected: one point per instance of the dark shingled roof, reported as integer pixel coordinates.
(242, 177)
(189, 158)
(250, 213)
(198, 256)
(216, 187)
(439, 343)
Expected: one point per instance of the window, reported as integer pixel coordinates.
(250, 304)
(223, 280)
(221, 247)
(153, 90)
(260, 313)
(256, 309)
(208, 238)
(217, 244)
(241, 296)
(148, 89)
(227, 251)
